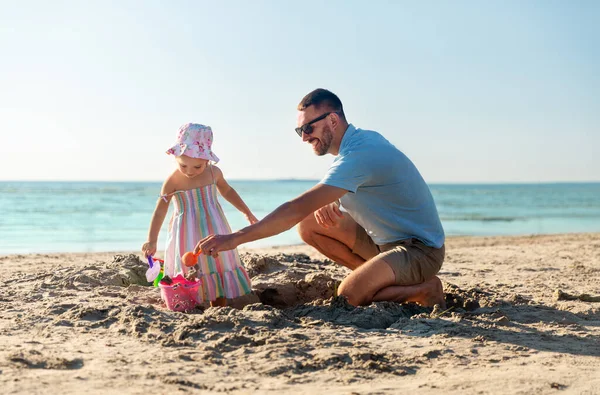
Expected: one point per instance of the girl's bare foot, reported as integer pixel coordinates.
(219, 302)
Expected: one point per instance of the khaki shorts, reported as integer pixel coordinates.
(412, 261)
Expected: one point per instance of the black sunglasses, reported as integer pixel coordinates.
(307, 127)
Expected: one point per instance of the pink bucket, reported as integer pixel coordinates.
(181, 294)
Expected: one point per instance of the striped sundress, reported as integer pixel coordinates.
(197, 214)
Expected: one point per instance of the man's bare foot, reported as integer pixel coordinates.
(433, 293)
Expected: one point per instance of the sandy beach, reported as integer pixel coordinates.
(523, 317)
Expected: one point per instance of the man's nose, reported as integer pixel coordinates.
(305, 136)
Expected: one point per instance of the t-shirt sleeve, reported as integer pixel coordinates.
(348, 172)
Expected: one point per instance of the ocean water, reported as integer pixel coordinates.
(114, 216)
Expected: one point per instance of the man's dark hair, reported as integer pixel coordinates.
(322, 98)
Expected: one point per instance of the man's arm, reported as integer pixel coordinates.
(289, 214)
(283, 218)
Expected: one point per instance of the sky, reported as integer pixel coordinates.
(470, 91)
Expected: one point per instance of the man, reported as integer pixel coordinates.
(389, 232)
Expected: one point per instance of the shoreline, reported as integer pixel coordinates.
(300, 246)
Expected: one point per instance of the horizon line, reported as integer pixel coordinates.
(316, 180)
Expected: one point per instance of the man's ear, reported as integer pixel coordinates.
(335, 120)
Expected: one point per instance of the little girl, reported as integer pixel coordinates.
(197, 214)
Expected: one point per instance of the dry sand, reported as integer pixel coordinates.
(524, 318)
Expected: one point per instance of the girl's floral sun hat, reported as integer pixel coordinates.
(194, 140)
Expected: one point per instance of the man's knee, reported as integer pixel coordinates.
(363, 283)
(306, 229)
(354, 298)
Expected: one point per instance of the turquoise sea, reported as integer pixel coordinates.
(114, 216)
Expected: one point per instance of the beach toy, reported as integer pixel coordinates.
(189, 259)
(155, 271)
(181, 294)
(159, 277)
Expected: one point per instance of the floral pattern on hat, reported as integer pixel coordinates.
(194, 140)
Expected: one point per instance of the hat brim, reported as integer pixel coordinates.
(208, 154)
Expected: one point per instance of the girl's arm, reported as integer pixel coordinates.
(158, 217)
(232, 196)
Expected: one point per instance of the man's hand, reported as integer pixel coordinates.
(329, 215)
(212, 244)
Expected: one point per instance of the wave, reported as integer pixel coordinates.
(480, 218)
(488, 218)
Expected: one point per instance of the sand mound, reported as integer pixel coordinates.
(286, 280)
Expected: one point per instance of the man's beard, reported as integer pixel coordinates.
(324, 141)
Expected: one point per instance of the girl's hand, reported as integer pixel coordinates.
(251, 218)
(149, 248)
